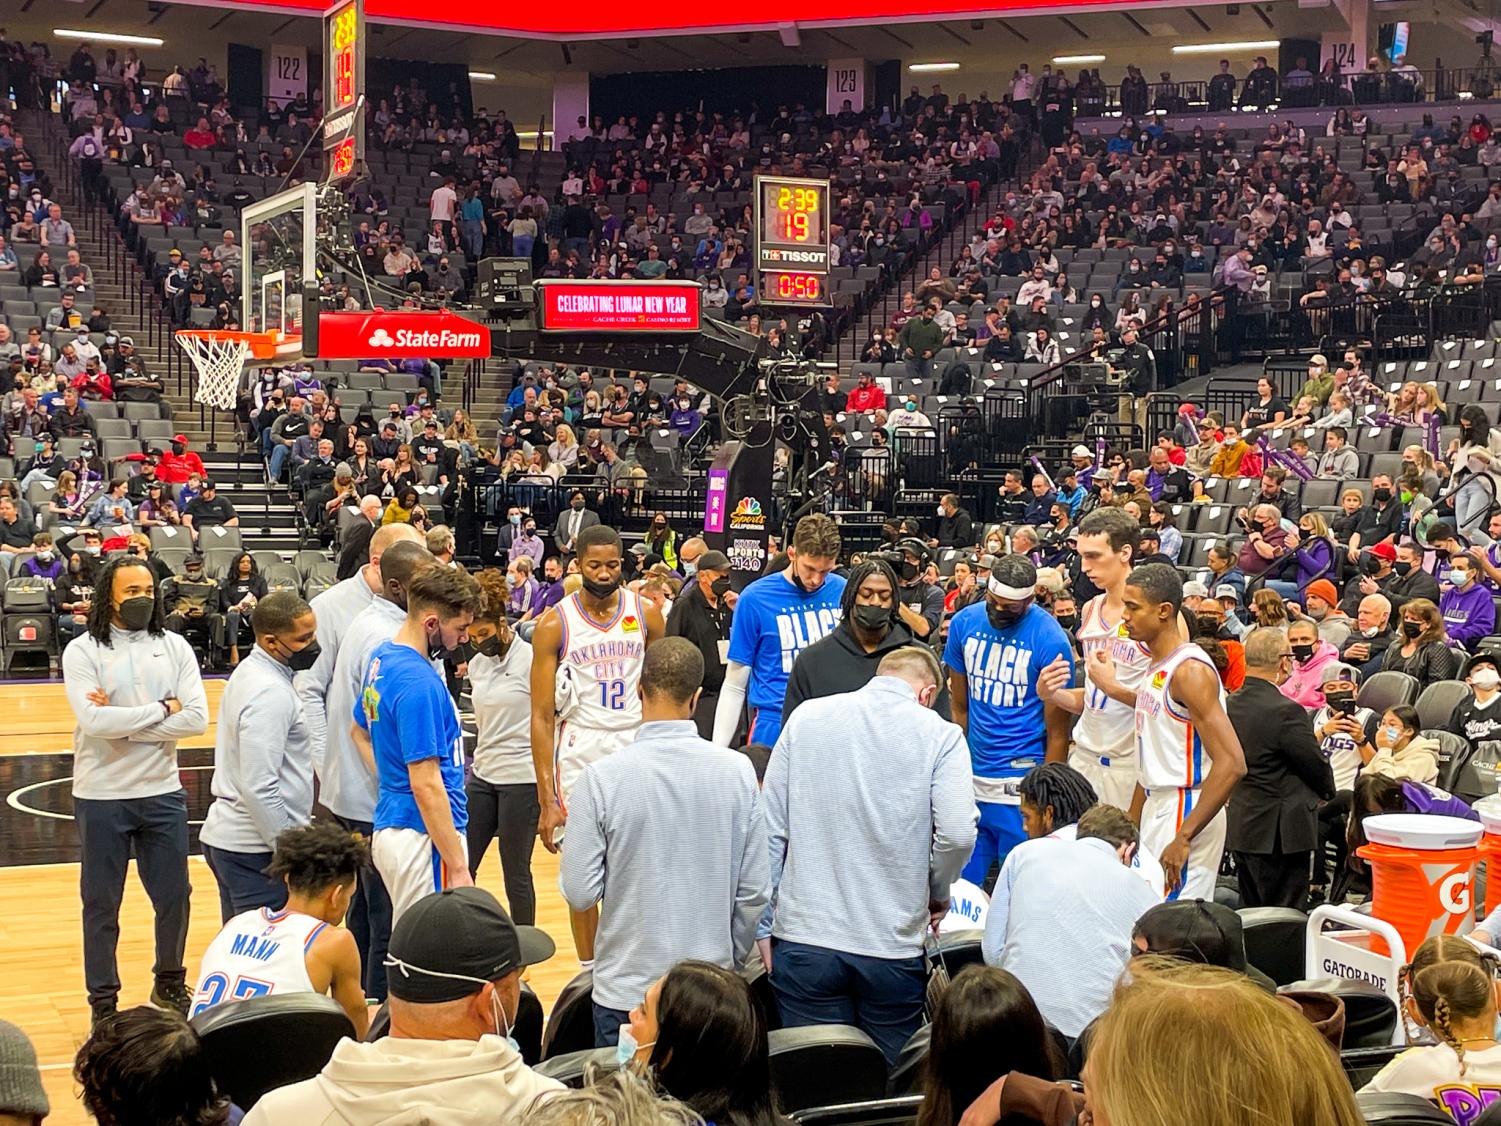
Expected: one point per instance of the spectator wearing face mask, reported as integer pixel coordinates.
(1423, 649)
(907, 415)
(1468, 612)
(179, 462)
(1311, 656)
(684, 419)
(528, 544)
(456, 959)
(1402, 753)
(1477, 719)
(1343, 731)
(45, 563)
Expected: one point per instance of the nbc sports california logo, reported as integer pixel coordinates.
(426, 339)
(747, 514)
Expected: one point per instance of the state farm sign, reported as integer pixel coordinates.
(401, 336)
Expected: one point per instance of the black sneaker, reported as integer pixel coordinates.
(101, 1010)
(171, 995)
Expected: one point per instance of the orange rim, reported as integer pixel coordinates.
(262, 345)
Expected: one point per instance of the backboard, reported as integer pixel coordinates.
(279, 236)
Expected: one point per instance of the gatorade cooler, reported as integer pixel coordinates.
(1422, 873)
(1490, 848)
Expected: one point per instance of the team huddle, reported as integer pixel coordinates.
(353, 691)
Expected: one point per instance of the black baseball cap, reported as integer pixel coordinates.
(447, 945)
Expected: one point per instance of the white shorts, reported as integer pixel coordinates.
(1161, 818)
(1114, 784)
(576, 748)
(409, 865)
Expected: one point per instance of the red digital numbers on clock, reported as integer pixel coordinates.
(342, 158)
(799, 287)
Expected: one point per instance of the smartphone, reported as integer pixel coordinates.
(1344, 707)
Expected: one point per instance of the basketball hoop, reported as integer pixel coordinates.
(219, 356)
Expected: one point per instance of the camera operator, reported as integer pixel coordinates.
(919, 602)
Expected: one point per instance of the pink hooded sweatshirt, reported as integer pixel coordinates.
(1306, 684)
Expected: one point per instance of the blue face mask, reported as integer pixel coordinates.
(516, 520)
(690, 569)
(626, 1047)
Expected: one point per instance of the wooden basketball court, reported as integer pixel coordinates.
(41, 942)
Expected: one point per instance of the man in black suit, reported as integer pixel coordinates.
(354, 548)
(1273, 823)
(571, 523)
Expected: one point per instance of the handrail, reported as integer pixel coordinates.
(1050, 375)
(1341, 91)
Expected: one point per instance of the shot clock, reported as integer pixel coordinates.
(792, 243)
(344, 61)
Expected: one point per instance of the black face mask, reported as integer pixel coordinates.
(1411, 630)
(1402, 567)
(720, 587)
(1209, 625)
(1338, 700)
(136, 613)
(1068, 621)
(490, 647)
(602, 590)
(870, 617)
(907, 571)
(1381, 496)
(436, 650)
(304, 658)
(1004, 617)
(1370, 564)
(1303, 653)
(178, 448)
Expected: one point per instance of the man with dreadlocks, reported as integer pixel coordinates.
(869, 628)
(1054, 797)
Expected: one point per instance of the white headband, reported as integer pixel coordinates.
(1016, 593)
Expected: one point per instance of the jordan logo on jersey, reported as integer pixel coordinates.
(997, 671)
(799, 629)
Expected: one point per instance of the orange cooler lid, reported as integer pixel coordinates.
(1422, 832)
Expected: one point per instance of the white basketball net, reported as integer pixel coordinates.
(219, 363)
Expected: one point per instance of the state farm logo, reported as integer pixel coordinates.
(426, 338)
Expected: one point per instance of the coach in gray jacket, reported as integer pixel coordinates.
(263, 759)
(667, 835)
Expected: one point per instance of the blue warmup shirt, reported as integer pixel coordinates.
(774, 622)
(406, 708)
(1001, 666)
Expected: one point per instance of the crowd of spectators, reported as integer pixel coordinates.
(1295, 613)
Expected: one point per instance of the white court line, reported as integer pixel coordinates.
(13, 799)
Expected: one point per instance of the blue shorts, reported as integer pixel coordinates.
(1000, 831)
(765, 727)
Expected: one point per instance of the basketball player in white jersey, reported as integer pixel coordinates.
(1104, 739)
(301, 948)
(586, 663)
(1188, 756)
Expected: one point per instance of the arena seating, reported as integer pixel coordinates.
(983, 419)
